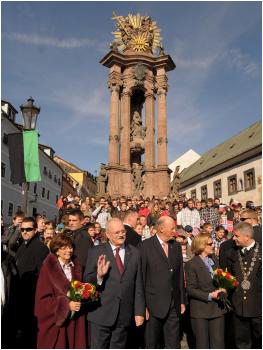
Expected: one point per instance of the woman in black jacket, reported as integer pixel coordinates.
(206, 310)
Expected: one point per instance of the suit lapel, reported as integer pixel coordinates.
(160, 250)
(127, 257)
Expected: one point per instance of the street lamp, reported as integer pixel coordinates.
(30, 114)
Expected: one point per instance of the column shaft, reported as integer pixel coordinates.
(114, 127)
(125, 156)
(162, 129)
(149, 158)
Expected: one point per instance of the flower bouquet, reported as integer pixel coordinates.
(79, 291)
(224, 279)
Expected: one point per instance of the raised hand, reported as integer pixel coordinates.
(103, 266)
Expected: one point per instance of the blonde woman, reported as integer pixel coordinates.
(206, 311)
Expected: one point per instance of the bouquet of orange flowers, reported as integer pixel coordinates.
(79, 291)
(224, 279)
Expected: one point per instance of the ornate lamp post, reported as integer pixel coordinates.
(30, 114)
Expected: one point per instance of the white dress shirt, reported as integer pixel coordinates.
(67, 269)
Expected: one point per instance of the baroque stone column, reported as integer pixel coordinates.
(125, 157)
(114, 126)
(162, 119)
(149, 157)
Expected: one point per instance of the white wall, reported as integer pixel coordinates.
(241, 196)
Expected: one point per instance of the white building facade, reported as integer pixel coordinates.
(42, 195)
(232, 169)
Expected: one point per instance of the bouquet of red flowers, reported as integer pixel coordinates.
(79, 291)
(224, 279)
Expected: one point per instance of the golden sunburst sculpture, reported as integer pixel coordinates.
(137, 33)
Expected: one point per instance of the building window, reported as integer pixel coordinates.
(10, 209)
(50, 175)
(19, 208)
(217, 189)
(43, 192)
(3, 167)
(59, 182)
(56, 198)
(35, 188)
(204, 192)
(249, 177)
(232, 184)
(48, 194)
(55, 179)
(45, 170)
(193, 194)
(5, 139)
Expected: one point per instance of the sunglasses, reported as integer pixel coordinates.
(27, 229)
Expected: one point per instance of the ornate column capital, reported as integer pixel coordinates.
(162, 140)
(114, 138)
(115, 81)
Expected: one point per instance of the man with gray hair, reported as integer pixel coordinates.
(246, 265)
(163, 278)
(115, 267)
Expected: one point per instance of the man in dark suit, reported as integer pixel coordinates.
(163, 278)
(226, 249)
(29, 259)
(115, 267)
(130, 221)
(81, 239)
(246, 265)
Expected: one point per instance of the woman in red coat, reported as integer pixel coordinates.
(52, 306)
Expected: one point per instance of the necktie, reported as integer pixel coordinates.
(118, 260)
(165, 248)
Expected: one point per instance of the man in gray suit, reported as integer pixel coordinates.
(115, 267)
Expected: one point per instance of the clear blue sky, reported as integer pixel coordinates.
(51, 50)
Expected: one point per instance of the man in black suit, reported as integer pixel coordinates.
(115, 267)
(163, 278)
(246, 265)
(81, 239)
(130, 221)
(29, 259)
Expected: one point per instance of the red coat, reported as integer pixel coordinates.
(55, 330)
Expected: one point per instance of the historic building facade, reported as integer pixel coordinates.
(43, 195)
(232, 169)
(83, 182)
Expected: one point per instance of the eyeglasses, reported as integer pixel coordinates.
(27, 229)
(244, 219)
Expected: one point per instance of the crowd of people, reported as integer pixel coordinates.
(152, 262)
